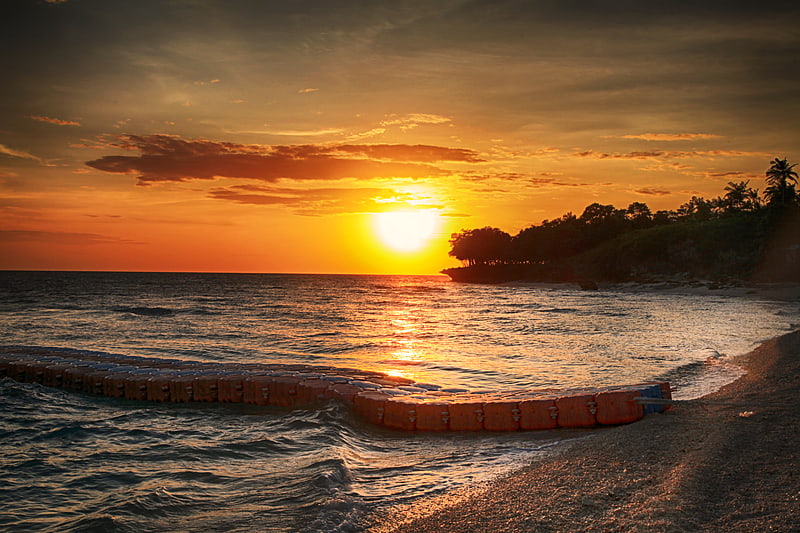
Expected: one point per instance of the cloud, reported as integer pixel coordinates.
(59, 237)
(309, 90)
(293, 133)
(653, 192)
(413, 120)
(663, 154)
(535, 181)
(671, 136)
(417, 152)
(56, 121)
(169, 158)
(363, 135)
(317, 201)
(5, 150)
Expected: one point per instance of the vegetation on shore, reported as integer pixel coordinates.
(739, 236)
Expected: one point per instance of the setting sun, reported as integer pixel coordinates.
(406, 231)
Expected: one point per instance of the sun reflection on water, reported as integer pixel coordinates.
(406, 358)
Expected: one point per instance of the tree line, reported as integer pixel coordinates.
(569, 235)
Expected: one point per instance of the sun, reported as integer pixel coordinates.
(406, 231)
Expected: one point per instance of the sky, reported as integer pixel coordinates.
(265, 136)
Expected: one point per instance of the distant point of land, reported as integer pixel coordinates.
(740, 237)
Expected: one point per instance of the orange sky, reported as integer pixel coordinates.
(266, 136)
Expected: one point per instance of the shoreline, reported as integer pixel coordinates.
(725, 462)
(784, 291)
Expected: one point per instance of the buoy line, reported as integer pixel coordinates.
(381, 399)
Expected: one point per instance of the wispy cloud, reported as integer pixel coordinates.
(534, 181)
(366, 134)
(5, 150)
(664, 154)
(413, 120)
(671, 136)
(56, 121)
(60, 237)
(168, 158)
(293, 133)
(312, 202)
(309, 90)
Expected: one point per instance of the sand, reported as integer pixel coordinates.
(725, 462)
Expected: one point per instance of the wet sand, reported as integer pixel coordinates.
(729, 462)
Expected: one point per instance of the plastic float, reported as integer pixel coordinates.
(378, 398)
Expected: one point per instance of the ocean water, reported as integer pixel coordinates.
(74, 462)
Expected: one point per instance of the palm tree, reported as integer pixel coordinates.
(779, 178)
(740, 197)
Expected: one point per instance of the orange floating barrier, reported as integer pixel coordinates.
(283, 390)
(231, 388)
(390, 401)
(5, 362)
(93, 381)
(433, 416)
(158, 388)
(538, 413)
(400, 412)
(576, 410)
(114, 384)
(370, 405)
(618, 406)
(256, 390)
(466, 415)
(16, 369)
(344, 392)
(136, 386)
(205, 388)
(54, 374)
(312, 391)
(501, 415)
(72, 378)
(34, 372)
(181, 389)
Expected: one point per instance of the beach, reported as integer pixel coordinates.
(724, 462)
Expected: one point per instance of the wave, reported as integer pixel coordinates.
(145, 311)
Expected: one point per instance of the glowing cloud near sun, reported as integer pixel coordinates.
(407, 230)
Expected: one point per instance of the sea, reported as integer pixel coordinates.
(75, 462)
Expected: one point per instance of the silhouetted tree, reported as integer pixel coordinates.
(597, 213)
(553, 239)
(739, 197)
(697, 208)
(662, 217)
(481, 246)
(639, 214)
(781, 190)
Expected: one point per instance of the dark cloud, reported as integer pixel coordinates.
(168, 158)
(653, 192)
